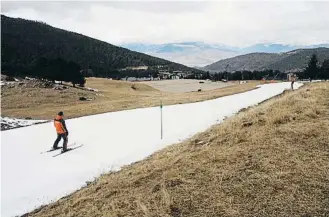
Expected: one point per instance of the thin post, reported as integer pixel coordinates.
(161, 120)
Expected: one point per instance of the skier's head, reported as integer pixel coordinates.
(60, 113)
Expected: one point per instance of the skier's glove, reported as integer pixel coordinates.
(67, 133)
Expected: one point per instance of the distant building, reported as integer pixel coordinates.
(137, 79)
(181, 75)
(174, 77)
(135, 68)
(163, 71)
(164, 75)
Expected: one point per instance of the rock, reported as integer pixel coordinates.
(59, 87)
(82, 98)
(247, 124)
(200, 142)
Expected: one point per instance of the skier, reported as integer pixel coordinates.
(61, 130)
(293, 79)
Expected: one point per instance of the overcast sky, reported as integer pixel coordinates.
(235, 23)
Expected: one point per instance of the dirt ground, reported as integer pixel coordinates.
(186, 85)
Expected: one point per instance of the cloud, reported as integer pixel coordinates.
(233, 23)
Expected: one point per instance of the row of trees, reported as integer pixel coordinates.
(314, 70)
(49, 69)
(58, 69)
(249, 75)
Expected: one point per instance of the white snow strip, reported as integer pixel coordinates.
(14, 122)
(111, 140)
(91, 89)
(7, 82)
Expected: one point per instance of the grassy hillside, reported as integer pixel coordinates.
(23, 101)
(24, 41)
(293, 60)
(298, 59)
(271, 160)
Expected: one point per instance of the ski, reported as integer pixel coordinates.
(69, 149)
(51, 150)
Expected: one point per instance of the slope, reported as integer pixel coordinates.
(110, 140)
(24, 41)
(268, 161)
(253, 61)
(292, 60)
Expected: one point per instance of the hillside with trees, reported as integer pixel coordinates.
(285, 62)
(313, 70)
(24, 42)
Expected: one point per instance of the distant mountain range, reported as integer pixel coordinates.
(287, 61)
(198, 54)
(189, 53)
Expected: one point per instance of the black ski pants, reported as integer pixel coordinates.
(59, 137)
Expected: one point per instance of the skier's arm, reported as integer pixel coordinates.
(64, 125)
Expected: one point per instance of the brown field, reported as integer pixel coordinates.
(269, 160)
(186, 85)
(44, 103)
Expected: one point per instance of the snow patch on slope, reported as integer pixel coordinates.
(10, 123)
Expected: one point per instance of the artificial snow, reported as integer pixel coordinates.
(91, 89)
(10, 123)
(111, 140)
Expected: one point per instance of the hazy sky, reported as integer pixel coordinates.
(235, 23)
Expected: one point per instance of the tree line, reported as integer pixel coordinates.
(52, 70)
(249, 75)
(314, 70)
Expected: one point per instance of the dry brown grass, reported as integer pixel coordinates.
(43, 103)
(271, 160)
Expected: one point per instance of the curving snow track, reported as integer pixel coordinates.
(30, 179)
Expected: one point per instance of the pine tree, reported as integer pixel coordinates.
(74, 74)
(312, 70)
(325, 70)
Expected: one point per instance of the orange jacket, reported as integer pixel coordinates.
(59, 124)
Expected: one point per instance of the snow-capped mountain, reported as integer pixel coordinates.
(198, 54)
(188, 53)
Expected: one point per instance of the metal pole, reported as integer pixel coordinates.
(161, 120)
